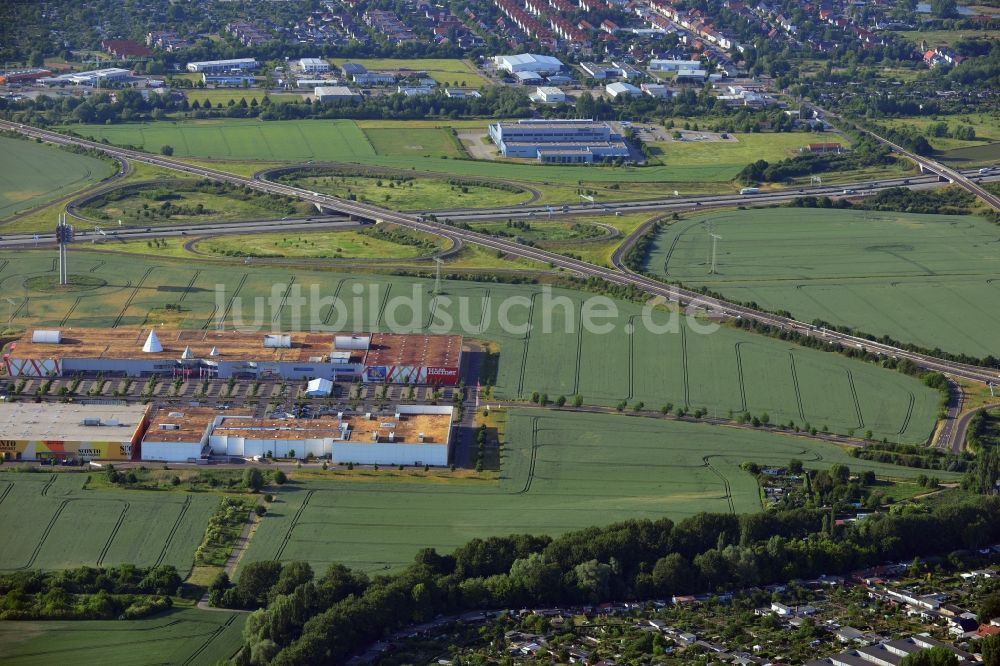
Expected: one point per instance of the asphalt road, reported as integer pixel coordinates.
(689, 299)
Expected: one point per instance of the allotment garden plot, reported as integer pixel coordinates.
(560, 472)
(59, 524)
(722, 370)
(923, 279)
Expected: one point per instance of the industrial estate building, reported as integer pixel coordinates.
(558, 141)
(376, 357)
(67, 431)
(528, 62)
(232, 65)
(92, 77)
(412, 435)
(313, 65)
(332, 93)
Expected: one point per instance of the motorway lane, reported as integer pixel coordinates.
(684, 297)
(946, 437)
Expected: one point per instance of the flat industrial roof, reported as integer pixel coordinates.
(435, 428)
(190, 422)
(440, 351)
(64, 422)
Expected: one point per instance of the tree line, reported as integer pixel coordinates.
(302, 619)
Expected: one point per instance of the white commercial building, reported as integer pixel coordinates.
(673, 65)
(94, 77)
(558, 141)
(549, 95)
(314, 65)
(70, 431)
(528, 62)
(328, 93)
(232, 65)
(618, 89)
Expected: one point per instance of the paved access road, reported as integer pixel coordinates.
(692, 300)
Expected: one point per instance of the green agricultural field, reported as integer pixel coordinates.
(181, 636)
(720, 370)
(421, 142)
(60, 524)
(224, 95)
(335, 245)
(402, 191)
(924, 279)
(32, 174)
(183, 201)
(343, 141)
(560, 472)
(443, 70)
(737, 152)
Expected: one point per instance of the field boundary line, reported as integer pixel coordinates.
(487, 303)
(114, 533)
(631, 357)
(795, 385)
(739, 372)
(173, 530)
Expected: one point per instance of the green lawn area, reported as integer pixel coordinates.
(223, 95)
(423, 142)
(746, 148)
(32, 174)
(179, 636)
(545, 230)
(923, 279)
(560, 471)
(720, 370)
(59, 524)
(402, 191)
(334, 245)
(452, 71)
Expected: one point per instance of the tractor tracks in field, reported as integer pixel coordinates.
(114, 533)
(173, 530)
(131, 297)
(218, 631)
(725, 482)
(532, 459)
(295, 520)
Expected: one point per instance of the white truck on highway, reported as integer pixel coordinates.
(750, 190)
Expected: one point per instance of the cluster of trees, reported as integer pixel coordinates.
(941, 129)
(87, 593)
(983, 438)
(911, 455)
(302, 620)
(866, 153)
(944, 201)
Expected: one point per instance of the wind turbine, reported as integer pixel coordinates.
(715, 242)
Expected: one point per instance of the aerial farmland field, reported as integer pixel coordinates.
(921, 279)
(723, 370)
(345, 141)
(443, 70)
(560, 471)
(32, 174)
(60, 524)
(180, 636)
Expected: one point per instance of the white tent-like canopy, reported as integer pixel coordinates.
(319, 387)
(152, 345)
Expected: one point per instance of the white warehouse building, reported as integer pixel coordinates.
(314, 65)
(528, 62)
(214, 66)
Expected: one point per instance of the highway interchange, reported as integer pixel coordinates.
(686, 298)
